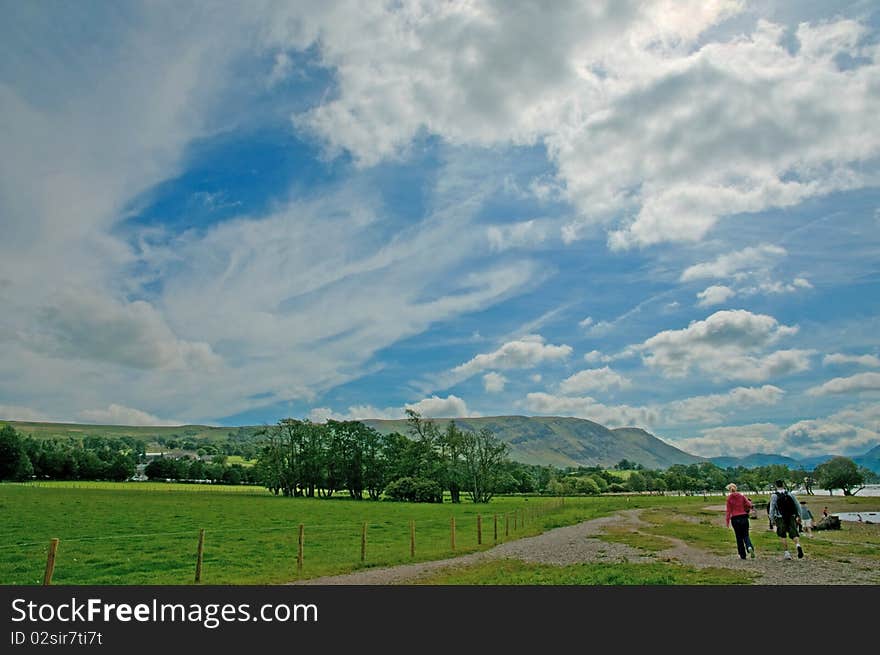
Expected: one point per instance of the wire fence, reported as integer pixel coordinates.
(297, 550)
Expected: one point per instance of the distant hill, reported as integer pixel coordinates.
(559, 441)
(146, 433)
(754, 460)
(870, 459)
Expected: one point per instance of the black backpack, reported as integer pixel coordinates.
(785, 504)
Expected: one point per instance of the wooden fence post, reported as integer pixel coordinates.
(412, 538)
(364, 542)
(479, 530)
(199, 555)
(515, 517)
(506, 524)
(452, 531)
(299, 549)
(50, 562)
(495, 519)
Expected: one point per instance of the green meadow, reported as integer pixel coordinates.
(147, 533)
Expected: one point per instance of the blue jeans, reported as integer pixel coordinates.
(740, 526)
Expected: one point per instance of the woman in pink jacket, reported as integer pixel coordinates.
(738, 507)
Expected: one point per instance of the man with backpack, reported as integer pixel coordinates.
(785, 512)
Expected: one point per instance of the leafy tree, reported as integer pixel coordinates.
(636, 482)
(11, 453)
(483, 455)
(588, 486)
(840, 473)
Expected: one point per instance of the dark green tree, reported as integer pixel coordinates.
(840, 473)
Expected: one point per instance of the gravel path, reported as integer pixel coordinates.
(578, 543)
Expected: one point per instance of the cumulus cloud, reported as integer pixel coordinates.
(494, 382)
(436, 407)
(588, 408)
(824, 436)
(715, 295)
(866, 415)
(587, 322)
(727, 345)
(735, 441)
(354, 413)
(83, 324)
(735, 263)
(710, 408)
(853, 384)
(523, 353)
(861, 360)
(595, 379)
(596, 356)
(121, 415)
(642, 117)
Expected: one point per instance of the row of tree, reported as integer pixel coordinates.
(837, 473)
(92, 458)
(301, 458)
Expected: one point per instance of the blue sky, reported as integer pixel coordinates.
(660, 214)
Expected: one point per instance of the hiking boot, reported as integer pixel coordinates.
(800, 552)
(751, 552)
(786, 555)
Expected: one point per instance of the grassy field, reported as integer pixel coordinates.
(147, 533)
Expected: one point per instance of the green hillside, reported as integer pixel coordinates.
(556, 441)
(145, 433)
(560, 441)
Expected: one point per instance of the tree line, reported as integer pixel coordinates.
(91, 458)
(301, 458)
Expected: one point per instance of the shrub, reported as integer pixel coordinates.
(416, 490)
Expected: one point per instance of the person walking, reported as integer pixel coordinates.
(807, 519)
(785, 512)
(738, 507)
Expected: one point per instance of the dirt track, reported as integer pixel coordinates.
(578, 543)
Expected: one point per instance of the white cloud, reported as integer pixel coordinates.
(734, 441)
(436, 407)
(777, 287)
(710, 408)
(726, 345)
(601, 379)
(730, 265)
(861, 360)
(866, 415)
(642, 115)
(280, 70)
(596, 356)
(516, 235)
(828, 437)
(715, 295)
(537, 377)
(523, 353)
(354, 413)
(78, 323)
(588, 408)
(853, 384)
(587, 322)
(121, 415)
(494, 382)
